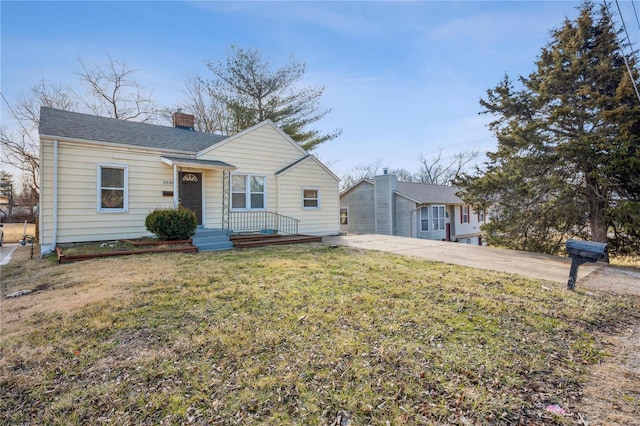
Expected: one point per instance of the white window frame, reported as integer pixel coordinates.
(317, 198)
(424, 219)
(441, 224)
(125, 203)
(346, 216)
(248, 192)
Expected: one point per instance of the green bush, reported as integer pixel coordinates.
(172, 224)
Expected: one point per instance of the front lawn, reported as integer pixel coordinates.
(303, 335)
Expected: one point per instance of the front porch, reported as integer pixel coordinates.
(251, 229)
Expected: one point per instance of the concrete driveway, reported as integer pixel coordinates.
(552, 268)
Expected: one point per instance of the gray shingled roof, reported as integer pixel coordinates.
(65, 124)
(429, 194)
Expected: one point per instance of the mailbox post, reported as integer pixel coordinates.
(581, 252)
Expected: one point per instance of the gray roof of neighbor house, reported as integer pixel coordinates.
(66, 124)
(429, 194)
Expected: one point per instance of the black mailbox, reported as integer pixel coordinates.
(581, 252)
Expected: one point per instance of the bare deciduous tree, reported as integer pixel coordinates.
(362, 171)
(404, 175)
(210, 114)
(111, 92)
(26, 109)
(440, 170)
(20, 147)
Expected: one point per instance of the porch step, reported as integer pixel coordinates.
(258, 240)
(208, 239)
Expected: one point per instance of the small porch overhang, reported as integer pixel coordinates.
(197, 163)
(178, 163)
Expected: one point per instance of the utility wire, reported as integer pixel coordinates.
(635, 12)
(626, 62)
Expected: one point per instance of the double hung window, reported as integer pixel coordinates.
(112, 188)
(424, 219)
(434, 215)
(438, 218)
(464, 214)
(248, 192)
(310, 198)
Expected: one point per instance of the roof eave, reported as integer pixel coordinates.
(115, 144)
(346, 190)
(191, 162)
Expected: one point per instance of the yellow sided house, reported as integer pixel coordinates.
(100, 177)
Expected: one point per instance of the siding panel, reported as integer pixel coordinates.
(360, 202)
(322, 221)
(78, 218)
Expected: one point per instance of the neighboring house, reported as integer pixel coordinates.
(100, 178)
(4, 200)
(385, 206)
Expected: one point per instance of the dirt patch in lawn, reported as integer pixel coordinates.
(94, 281)
(611, 395)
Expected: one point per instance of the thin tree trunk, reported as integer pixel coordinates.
(599, 227)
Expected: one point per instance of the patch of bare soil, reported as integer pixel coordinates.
(611, 395)
(68, 287)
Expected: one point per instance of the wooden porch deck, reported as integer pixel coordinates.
(259, 240)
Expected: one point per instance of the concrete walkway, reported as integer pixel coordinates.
(6, 251)
(552, 268)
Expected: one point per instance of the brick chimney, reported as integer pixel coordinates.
(183, 121)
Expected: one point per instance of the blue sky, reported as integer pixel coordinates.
(403, 79)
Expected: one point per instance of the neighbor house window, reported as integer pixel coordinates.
(310, 198)
(481, 217)
(438, 218)
(247, 191)
(344, 216)
(464, 214)
(424, 219)
(112, 188)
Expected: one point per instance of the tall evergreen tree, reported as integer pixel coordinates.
(567, 161)
(252, 91)
(7, 190)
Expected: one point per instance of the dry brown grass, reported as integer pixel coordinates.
(71, 286)
(13, 232)
(296, 335)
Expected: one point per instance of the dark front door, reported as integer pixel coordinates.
(191, 193)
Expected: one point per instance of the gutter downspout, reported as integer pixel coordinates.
(278, 194)
(175, 186)
(54, 237)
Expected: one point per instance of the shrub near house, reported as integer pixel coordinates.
(172, 224)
